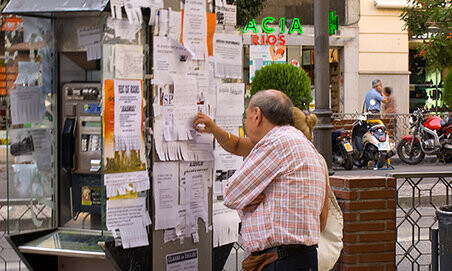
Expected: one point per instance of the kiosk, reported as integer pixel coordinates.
(74, 62)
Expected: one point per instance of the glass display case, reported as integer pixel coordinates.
(31, 125)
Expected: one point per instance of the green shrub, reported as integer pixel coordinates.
(291, 80)
(448, 90)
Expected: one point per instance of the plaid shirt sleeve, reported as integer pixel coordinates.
(257, 172)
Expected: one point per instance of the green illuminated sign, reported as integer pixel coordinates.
(252, 26)
(332, 23)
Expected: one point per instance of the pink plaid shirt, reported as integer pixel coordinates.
(287, 169)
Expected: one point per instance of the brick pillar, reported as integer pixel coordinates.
(368, 205)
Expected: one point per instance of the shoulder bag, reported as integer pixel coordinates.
(330, 244)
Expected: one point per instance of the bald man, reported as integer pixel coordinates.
(279, 191)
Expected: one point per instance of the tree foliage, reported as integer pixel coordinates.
(434, 16)
(249, 9)
(291, 80)
(448, 90)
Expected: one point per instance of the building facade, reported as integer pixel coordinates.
(371, 43)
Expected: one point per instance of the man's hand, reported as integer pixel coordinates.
(203, 124)
(253, 205)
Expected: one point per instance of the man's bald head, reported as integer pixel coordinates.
(276, 106)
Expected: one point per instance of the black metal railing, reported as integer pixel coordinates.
(418, 196)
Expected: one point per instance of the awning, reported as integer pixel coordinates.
(53, 6)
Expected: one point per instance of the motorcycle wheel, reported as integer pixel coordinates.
(348, 164)
(403, 151)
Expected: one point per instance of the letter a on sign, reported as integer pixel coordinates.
(251, 26)
(296, 25)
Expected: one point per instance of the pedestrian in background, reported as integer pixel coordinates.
(279, 192)
(390, 105)
(376, 95)
(390, 108)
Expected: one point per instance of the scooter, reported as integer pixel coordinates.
(371, 142)
(342, 149)
(432, 135)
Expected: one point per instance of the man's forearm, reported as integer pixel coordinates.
(231, 143)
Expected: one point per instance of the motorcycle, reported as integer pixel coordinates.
(370, 141)
(342, 149)
(432, 135)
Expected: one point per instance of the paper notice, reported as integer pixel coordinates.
(93, 51)
(116, 8)
(166, 194)
(230, 104)
(128, 115)
(227, 49)
(88, 36)
(225, 225)
(194, 31)
(134, 237)
(128, 61)
(126, 213)
(27, 105)
(195, 178)
(170, 23)
(196, 197)
(123, 29)
(182, 261)
(226, 14)
(28, 73)
(185, 102)
(170, 58)
(125, 177)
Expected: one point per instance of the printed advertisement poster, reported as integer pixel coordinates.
(263, 55)
(126, 164)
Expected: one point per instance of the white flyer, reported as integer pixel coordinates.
(88, 36)
(128, 114)
(128, 61)
(170, 58)
(126, 212)
(131, 218)
(169, 23)
(225, 225)
(27, 105)
(194, 31)
(166, 194)
(226, 14)
(123, 29)
(28, 73)
(227, 49)
(230, 104)
(195, 178)
(185, 102)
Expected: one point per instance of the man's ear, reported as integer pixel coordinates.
(258, 115)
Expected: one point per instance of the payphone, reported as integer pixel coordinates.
(81, 145)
